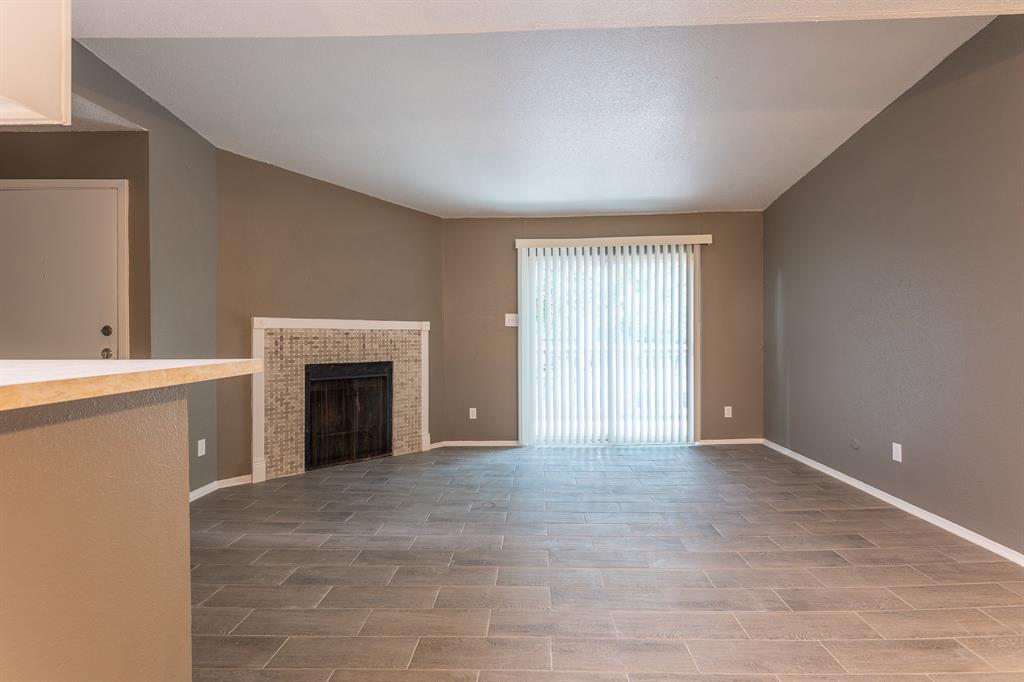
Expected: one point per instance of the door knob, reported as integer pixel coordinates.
(106, 330)
(106, 353)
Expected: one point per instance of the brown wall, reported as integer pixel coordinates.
(480, 286)
(94, 552)
(895, 295)
(291, 246)
(102, 156)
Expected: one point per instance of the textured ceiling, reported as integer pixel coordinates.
(652, 120)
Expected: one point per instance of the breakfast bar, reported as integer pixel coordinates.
(94, 517)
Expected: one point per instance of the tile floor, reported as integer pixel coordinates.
(590, 565)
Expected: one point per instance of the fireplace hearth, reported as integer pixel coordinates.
(348, 412)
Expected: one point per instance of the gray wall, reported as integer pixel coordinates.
(292, 246)
(480, 286)
(894, 295)
(182, 239)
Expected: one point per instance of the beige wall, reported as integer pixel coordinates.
(291, 246)
(94, 552)
(98, 155)
(480, 356)
(895, 295)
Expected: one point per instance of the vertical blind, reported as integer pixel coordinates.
(605, 343)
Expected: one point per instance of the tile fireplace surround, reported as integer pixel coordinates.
(287, 345)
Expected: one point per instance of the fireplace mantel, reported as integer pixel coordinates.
(330, 340)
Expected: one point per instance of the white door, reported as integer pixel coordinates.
(63, 269)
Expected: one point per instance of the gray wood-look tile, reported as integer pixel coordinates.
(1005, 654)
(700, 564)
(217, 620)
(870, 576)
(436, 622)
(547, 623)
(345, 652)
(762, 577)
(404, 676)
(517, 576)
(292, 622)
(235, 675)
(631, 655)
(841, 599)
(806, 626)
(955, 596)
(491, 597)
(935, 623)
(506, 653)
(276, 596)
(390, 597)
(906, 656)
(677, 625)
(329, 574)
(215, 651)
(745, 657)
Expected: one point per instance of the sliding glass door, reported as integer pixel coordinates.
(606, 341)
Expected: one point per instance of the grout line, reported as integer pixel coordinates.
(413, 654)
(244, 618)
(324, 596)
(832, 656)
(275, 653)
(870, 627)
(219, 588)
(740, 623)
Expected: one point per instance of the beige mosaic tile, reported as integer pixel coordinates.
(286, 354)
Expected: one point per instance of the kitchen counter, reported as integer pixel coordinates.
(28, 383)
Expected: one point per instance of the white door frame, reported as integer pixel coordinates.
(121, 186)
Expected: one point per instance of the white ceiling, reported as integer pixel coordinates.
(653, 120)
(337, 18)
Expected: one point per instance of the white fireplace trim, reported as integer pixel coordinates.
(259, 327)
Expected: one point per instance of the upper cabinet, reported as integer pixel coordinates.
(35, 62)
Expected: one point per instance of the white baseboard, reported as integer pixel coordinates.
(731, 441)
(475, 444)
(217, 485)
(945, 524)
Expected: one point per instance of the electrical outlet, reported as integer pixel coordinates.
(511, 319)
(200, 447)
(728, 411)
(472, 413)
(897, 452)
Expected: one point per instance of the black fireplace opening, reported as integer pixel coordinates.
(348, 412)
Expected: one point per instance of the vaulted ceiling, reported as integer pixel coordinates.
(558, 122)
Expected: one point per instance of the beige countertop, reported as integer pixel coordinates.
(26, 383)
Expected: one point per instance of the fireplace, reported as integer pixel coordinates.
(348, 412)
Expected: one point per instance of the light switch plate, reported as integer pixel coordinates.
(728, 411)
(472, 413)
(511, 319)
(200, 447)
(897, 452)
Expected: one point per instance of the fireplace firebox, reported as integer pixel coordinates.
(348, 412)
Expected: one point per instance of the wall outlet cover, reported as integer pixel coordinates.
(897, 452)
(472, 413)
(511, 319)
(728, 411)
(200, 447)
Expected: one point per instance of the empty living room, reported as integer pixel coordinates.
(511, 341)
